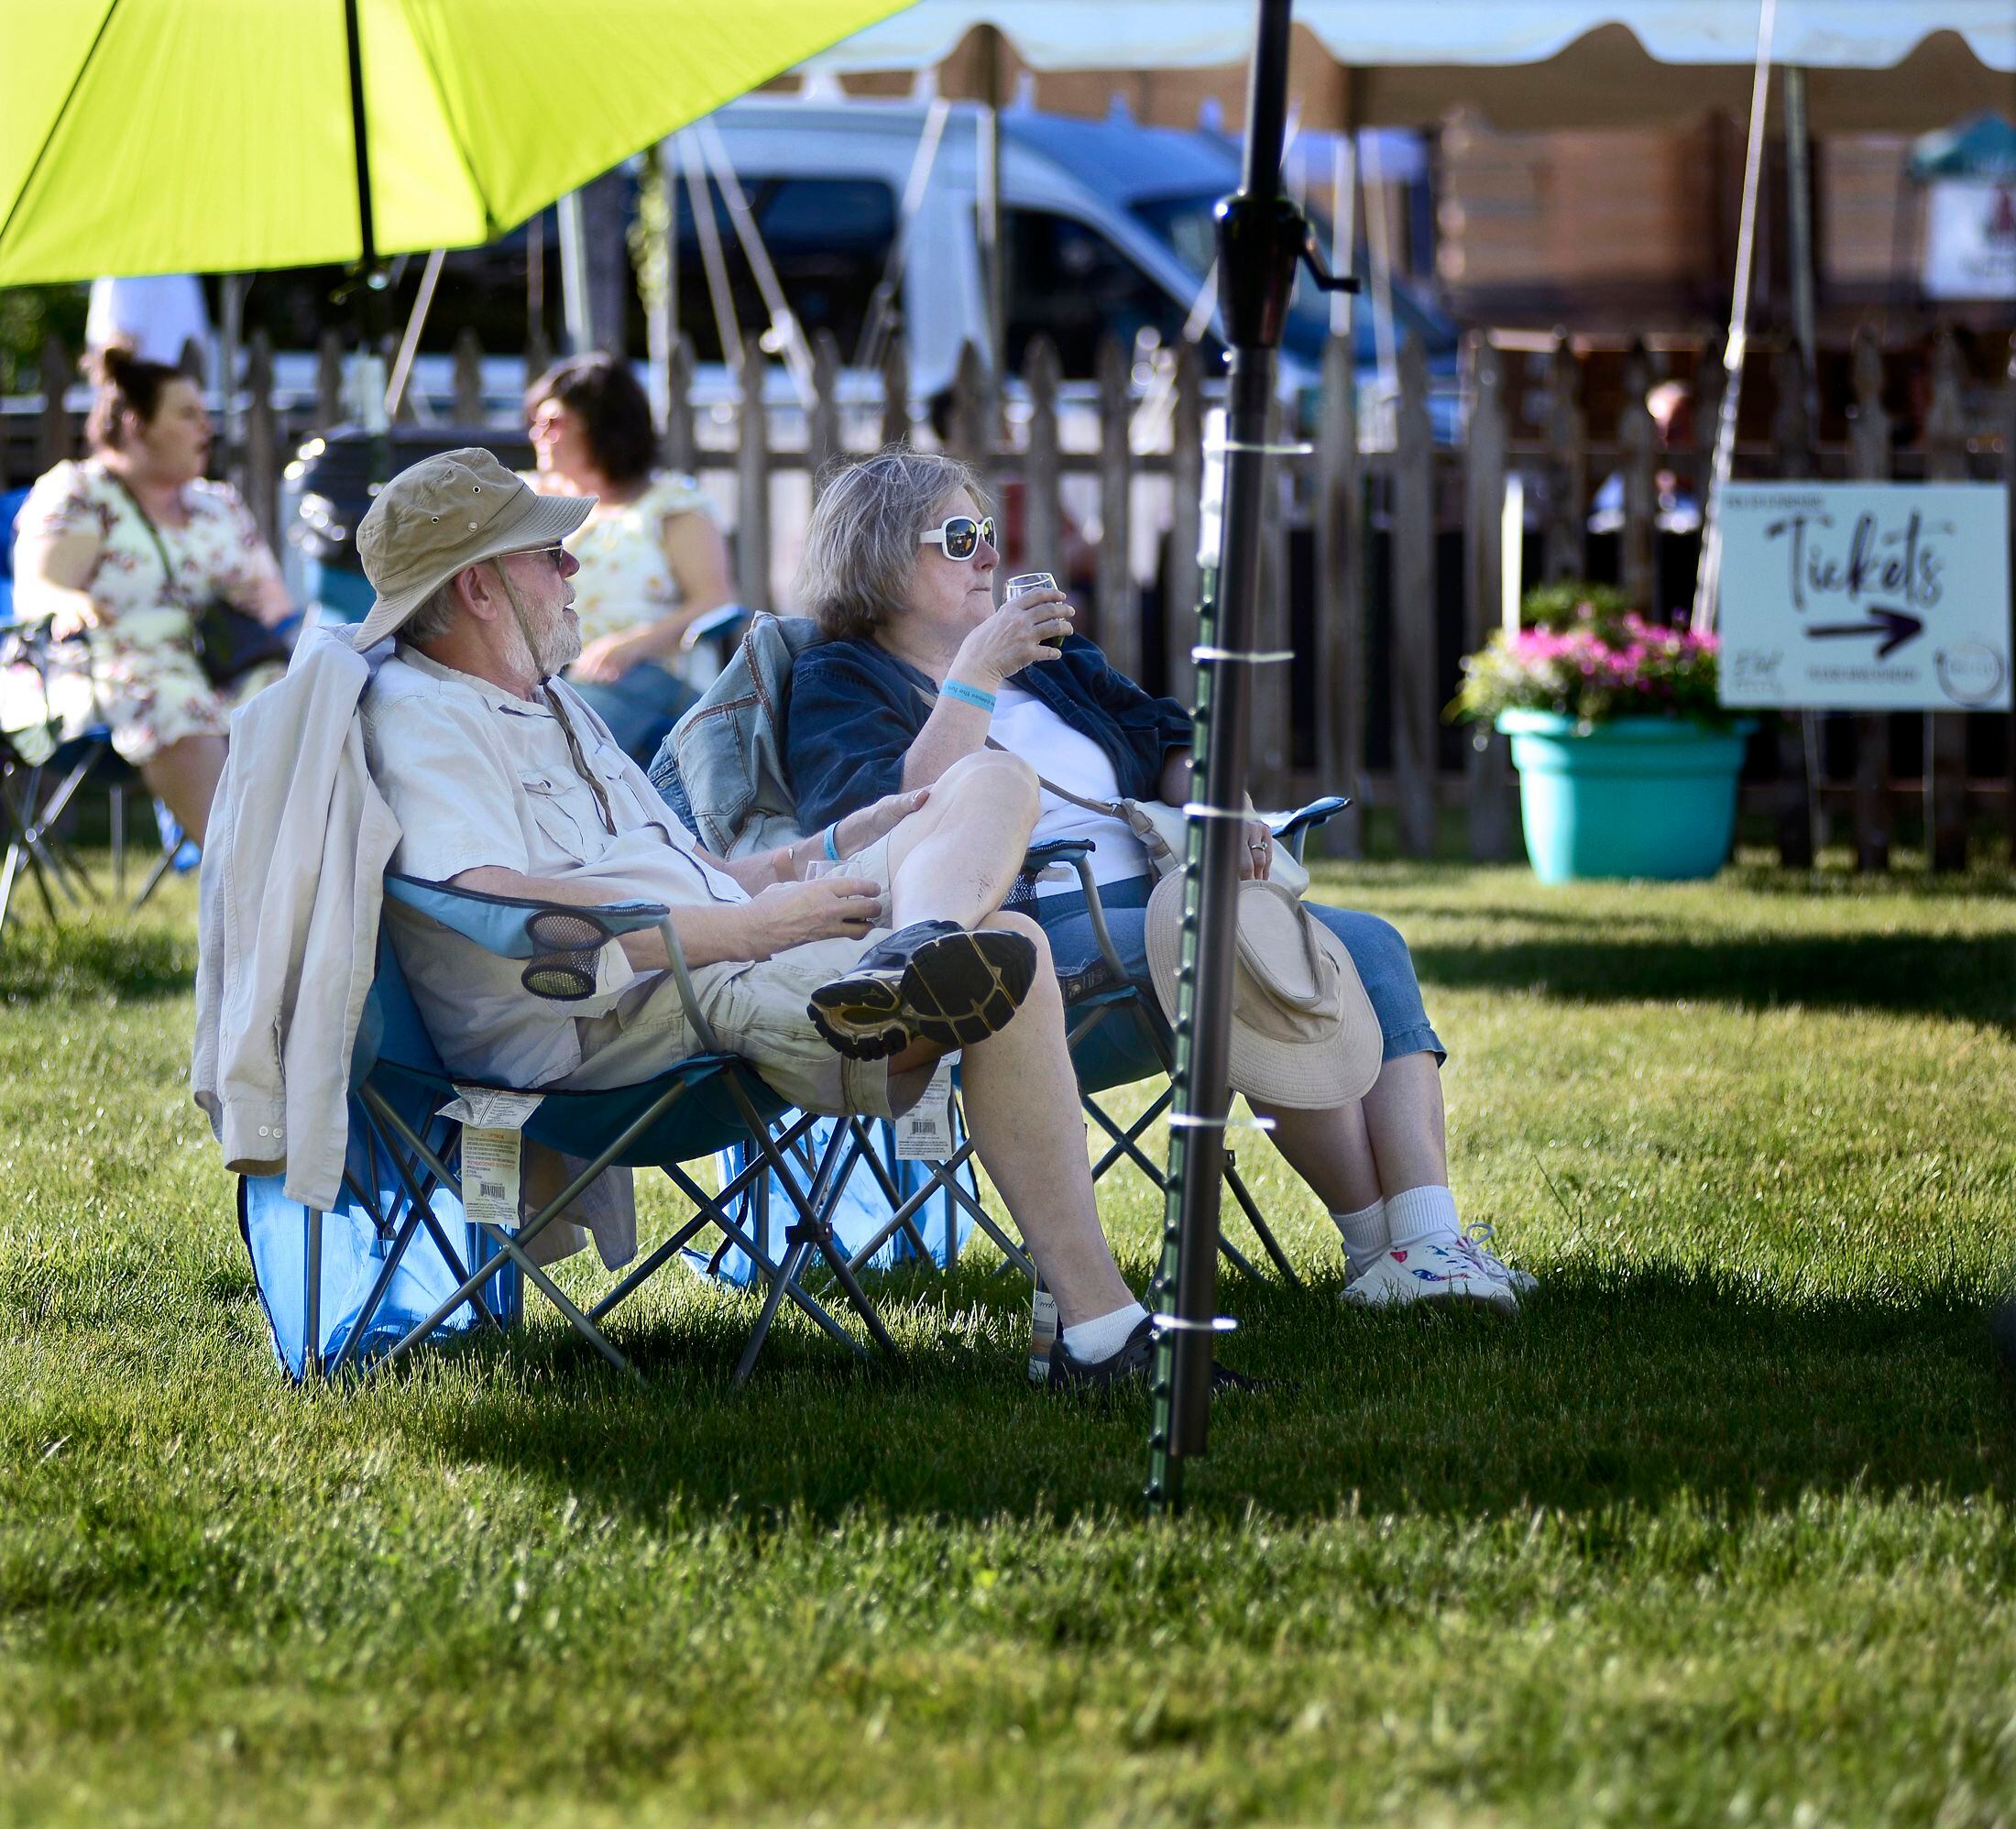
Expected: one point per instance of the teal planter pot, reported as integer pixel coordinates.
(1639, 797)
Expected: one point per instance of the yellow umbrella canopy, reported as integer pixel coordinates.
(216, 136)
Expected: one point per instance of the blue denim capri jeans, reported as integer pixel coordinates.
(1117, 1054)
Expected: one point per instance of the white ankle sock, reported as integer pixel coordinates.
(1421, 1213)
(1366, 1239)
(1089, 1341)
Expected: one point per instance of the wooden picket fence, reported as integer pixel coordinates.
(1384, 566)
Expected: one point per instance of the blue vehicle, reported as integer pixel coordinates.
(1107, 226)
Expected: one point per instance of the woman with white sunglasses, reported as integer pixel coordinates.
(921, 669)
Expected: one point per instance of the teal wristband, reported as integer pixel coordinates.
(968, 694)
(832, 850)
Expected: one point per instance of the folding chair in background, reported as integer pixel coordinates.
(397, 1277)
(33, 749)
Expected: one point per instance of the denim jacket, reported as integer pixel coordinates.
(722, 768)
(856, 710)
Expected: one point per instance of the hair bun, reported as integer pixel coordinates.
(112, 365)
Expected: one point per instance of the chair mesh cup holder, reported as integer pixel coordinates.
(565, 942)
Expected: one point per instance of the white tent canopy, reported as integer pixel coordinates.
(1874, 64)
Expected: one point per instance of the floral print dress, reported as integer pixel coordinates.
(625, 580)
(138, 671)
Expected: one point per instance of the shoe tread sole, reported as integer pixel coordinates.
(952, 991)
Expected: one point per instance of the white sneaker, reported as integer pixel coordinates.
(1427, 1272)
(1475, 1244)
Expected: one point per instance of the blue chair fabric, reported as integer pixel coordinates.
(397, 1263)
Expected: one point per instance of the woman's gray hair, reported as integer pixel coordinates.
(862, 542)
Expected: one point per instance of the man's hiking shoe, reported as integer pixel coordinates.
(1135, 1359)
(931, 982)
(1427, 1272)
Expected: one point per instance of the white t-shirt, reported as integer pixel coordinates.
(1029, 729)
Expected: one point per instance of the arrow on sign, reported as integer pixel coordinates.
(1895, 625)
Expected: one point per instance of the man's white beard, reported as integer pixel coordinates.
(562, 646)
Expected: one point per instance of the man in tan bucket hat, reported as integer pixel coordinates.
(504, 782)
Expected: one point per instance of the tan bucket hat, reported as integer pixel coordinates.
(1303, 1030)
(441, 514)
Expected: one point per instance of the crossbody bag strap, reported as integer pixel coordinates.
(153, 533)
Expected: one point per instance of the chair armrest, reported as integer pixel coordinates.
(722, 617)
(500, 923)
(1077, 853)
(1055, 851)
(556, 968)
(1292, 831)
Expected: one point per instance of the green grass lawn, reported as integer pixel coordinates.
(1722, 1528)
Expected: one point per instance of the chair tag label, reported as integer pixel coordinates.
(490, 1176)
(491, 1169)
(924, 1133)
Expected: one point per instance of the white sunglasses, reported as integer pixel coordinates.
(961, 536)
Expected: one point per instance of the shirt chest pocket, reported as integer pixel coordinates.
(553, 805)
(628, 808)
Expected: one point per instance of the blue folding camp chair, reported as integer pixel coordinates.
(385, 1271)
(1118, 1035)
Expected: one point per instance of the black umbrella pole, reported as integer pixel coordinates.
(1260, 237)
(367, 286)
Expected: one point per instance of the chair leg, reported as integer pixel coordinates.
(115, 809)
(423, 1211)
(1248, 1206)
(734, 1236)
(42, 838)
(813, 1227)
(18, 856)
(39, 871)
(510, 1246)
(353, 1346)
(813, 1308)
(26, 850)
(162, 865)
(837, 1261)
(310, 1355)
(787, 1274)
(8, 870)
(1240, 1193)
(945, 1177)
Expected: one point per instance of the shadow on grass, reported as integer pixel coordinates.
(84, 959)
(1969, 979)
(1609, 1390)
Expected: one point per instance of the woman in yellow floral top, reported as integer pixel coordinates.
(87, 561)
(652, 561)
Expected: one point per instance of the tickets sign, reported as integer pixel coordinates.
(1866, 596)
